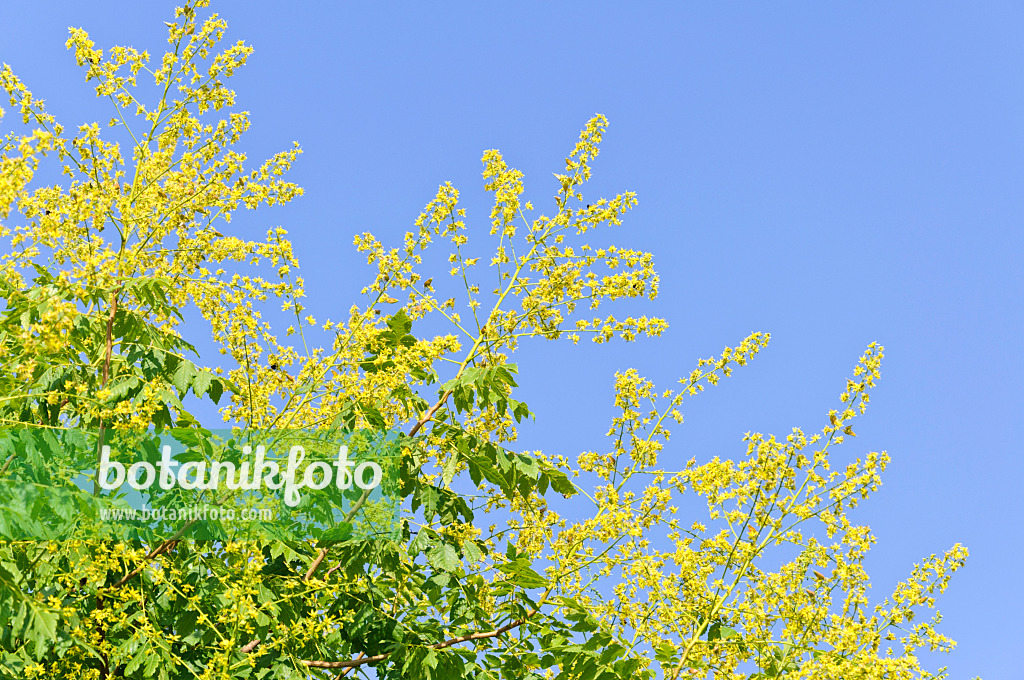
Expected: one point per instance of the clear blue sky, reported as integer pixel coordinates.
(832, 174)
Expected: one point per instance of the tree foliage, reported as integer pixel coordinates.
(496, 573)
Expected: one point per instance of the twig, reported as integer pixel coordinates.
(428, 416)
(166, 546)
(346, 671)
(315, 564)
(251, 645)
(362, 499)
(479, 636)
(107, 355)
(348, 516)
(347, 664)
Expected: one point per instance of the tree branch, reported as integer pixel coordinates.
(315, 564)
(348, 516)
(166, 546)
(346, 671)
(251, 645)
(429, 415)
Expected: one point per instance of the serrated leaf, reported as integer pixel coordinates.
(183, 376)
(472, 551)
(522, 574)
(444, 556)
(450, 466)
(216, 390)
(201, 383)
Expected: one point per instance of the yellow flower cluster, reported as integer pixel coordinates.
(770, 574)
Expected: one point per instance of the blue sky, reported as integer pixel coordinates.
(832, 174)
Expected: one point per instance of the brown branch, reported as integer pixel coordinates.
(316, 563)
(361, 659)
(107, 355)
(479, 636)
(429, 415)
(347, 664)
(348, 516)
(346, 671)
(166, 546)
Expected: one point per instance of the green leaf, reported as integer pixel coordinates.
(201, 383)
(183, 376)
(719, 631)
(522, 574)
(664, 651)
(471, 551)
(450, 465)
(216, 390)
(559, 481)
(444, 556)
(37, 624)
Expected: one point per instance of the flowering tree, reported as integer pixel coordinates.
(489, 576)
